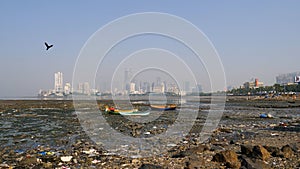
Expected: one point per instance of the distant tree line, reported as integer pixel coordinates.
(276, 88)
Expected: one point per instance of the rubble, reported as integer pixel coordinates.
(53, 138)
(229, 158)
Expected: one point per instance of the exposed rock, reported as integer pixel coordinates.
(195, 163)
(63, 137)
(274, 151)
(47, 165)
(295, 147)
(5, 166)
(150, 166)
(179, 155)
(228, 157)
(225, 130)
(250, 164)
(247, 150)
(287, 151)
(135, 161)
(197, 150)
(27, 161)
(260, 152)
(216, 148)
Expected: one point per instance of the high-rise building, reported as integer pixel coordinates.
(286, 78)
(132, 87)
(67, 89)
(187, 86)
(80, 88)
(173, 88)
(127, 76)
(253, 85)
(146, 87)
(197, 88)
(58, 82)
(86, 88)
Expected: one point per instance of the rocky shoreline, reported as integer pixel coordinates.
(241, 140)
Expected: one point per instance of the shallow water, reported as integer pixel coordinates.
(59, 129)
(39, 127)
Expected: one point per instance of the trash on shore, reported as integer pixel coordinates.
(66, 158)
(265, 115)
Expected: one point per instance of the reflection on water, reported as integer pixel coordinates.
(38, 127)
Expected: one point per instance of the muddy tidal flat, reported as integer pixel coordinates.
(250, 134)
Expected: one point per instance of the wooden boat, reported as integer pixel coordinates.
(163, 107)
(137, 113)
(113, 110)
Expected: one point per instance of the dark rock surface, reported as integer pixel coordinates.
(260, 152)
(229, 158)
(47, 134)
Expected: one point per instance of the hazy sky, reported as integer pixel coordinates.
(255, 39)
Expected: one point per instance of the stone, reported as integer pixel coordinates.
(5, 166)
(225, 130)
(195, 163)
(135, 161)
(29, 161)
(47, 165)
(216, 148)
(250, 164)
(228, 157)
(150, 166)
(197, 150)
(274, 151)
(295, 146)
(260, 152)
(247, 150)
(179, 155)
(287, 151)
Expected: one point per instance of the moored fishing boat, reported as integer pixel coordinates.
(135, 113)
(163, 107)
(114, 110)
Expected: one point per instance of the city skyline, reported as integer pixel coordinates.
(134, 85)
(254, 39)
(130, 86)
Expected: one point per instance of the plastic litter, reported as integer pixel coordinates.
(265, 116)
(66, 158)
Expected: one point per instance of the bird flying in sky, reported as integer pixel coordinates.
(48, 46)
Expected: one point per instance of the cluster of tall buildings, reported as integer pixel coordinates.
(288, 78)
(64, 89)
(156, 87)
(132, 86)
(60, 89)
(282, 79)
(129, 87)
(253, 84)
(161, 87)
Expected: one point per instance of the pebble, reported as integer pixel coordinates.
(66, 158)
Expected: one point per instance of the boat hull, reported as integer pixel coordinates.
(120, 111)
(138, 113)
(163, 108)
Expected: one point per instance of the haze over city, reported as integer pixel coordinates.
(254, 39)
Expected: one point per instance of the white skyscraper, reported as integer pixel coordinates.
(67, 88)
(58, 82)
(132, 87)
(86, 88)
